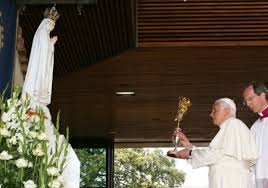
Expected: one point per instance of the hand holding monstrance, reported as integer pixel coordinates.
(184, 104)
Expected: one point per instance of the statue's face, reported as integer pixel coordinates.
(51, 25)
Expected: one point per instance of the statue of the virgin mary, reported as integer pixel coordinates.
(38, 81)
(37, 89)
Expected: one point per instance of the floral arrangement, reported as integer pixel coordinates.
(26, 157)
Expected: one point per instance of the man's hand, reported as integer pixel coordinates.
(182, 154)
(184, 140)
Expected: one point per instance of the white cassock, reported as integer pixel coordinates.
(260, 170)
(229, 156)
(39, 76)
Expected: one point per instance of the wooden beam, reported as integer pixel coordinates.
(39, 2)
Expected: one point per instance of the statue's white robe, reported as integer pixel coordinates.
(260, 170)
(39, 76)
(71, 173)
(38, 88)
(229, 156)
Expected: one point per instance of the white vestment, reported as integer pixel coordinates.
(260, 170)
(38, 80)
(229, 156)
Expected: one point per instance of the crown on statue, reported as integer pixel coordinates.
(51, 13)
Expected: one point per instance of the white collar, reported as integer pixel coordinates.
(260, 113)
(225, 122)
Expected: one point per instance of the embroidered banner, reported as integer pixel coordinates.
(7, 43)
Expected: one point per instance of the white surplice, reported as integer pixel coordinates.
(260, 170)
(229, 156)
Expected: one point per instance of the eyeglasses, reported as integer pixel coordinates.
(249, 99)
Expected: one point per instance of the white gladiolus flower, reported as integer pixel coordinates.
(12, 125)
(12, 111)
(12, 140)
(8, 125)
(23, 116)
(25, 124)
(29, 184)
(19, 137)
(5, 156)
(15, 101)
(18, 103)
(24, 109)
(6, 117)
(42, 136)
(53, 171)
(9, 102)
(38, 151)
(4, 132)
(33, 134)
(13, 116)
(26, 130)
(21, 163)
(55, 184)
(20, 148)
(30, 164)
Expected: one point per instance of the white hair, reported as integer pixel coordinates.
(227, 103)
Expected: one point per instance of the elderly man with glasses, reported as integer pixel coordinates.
(231, 152)
(255, 97)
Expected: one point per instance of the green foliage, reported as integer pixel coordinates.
(138, 168)
(133, 168)
(93, 167)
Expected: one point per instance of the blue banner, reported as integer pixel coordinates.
(7, 46)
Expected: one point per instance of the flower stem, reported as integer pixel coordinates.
(5, 168)
(35, 161)
(21, 175)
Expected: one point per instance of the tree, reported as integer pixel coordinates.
(93, 167)
(133, 168)
(138, 168)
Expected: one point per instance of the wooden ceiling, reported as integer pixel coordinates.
(201, 49)
(90, 106)
(202, 22)
(102, 30)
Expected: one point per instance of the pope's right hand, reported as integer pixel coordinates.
(184, 141)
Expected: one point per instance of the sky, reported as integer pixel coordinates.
(195, 178)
